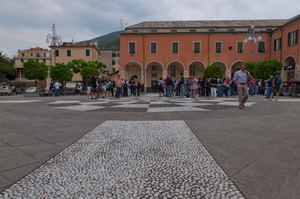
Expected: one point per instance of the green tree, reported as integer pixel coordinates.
(7, 70)
(61, 73)
(213, 70)
(88, 70)
(85, 68)
(267, 68)
(34, 70)
(250, 67)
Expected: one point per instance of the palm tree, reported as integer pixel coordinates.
(4, 59)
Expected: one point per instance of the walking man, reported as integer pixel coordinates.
(241, 78)
(276, 86)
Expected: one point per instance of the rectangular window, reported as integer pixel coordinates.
(277, 44)
(153, 49)
(22, 54)
(132, 48)
(38, 54)
(87, 53)
(196, 47)
(44, 60)
(293, 38)
(56, 53)
(193, 30)
(69, 53)
(175, 47)
(218, 47)
(240, 47)
(45, 55)
(22, 60)
(114, 55)
(118, 55)
(261, 47)
(31, 54)
(174, 30)
(113, 62)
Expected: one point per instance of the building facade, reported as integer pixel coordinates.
(156, 49)
(69, 51)
(43, 55)
(111, 60)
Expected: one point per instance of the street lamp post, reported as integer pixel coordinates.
(253, 37)
(54, 40)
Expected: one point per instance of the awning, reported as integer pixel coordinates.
(289, 67)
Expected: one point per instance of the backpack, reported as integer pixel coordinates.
(278, 81)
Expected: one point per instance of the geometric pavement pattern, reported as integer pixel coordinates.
(148, 103)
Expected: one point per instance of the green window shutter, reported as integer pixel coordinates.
(87, 53)
(289, 38)
(56, 53)
(196, 47)
(153, 48)
(113, 62)
(22, 60)
(131, 48)
(175, 47)
(296, 36)
(240, 47)
(280, 43)
(69, 53)
(275, 44)
(114, 55)
(218, 47)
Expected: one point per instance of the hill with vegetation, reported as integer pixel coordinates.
(110, 41)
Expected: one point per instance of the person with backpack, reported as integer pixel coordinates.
(276, 86)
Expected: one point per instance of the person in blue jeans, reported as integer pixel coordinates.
(269, 91)
(187, 87)
(182, 85)
(219, 87)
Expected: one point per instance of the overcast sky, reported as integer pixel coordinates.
(25, 23)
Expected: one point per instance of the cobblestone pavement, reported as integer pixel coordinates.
(127, 159)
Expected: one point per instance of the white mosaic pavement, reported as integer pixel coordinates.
(149, 104)
(130, 159)
(18, 101)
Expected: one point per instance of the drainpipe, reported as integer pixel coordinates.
(143, 67)
(281, 45)
(208, 49)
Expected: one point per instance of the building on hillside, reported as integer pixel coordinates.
(111, 60)
(69, 51)
(155, 49)
(43, 55)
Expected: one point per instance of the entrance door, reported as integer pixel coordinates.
(154, 86)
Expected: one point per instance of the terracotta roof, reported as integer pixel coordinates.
(37, 49)
(209, 24)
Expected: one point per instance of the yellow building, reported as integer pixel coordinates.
(43, 55)
(70, 51)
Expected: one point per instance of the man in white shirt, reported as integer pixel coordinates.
(241, 78)
(57, 86)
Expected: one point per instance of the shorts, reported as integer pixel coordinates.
(275, 89)
(94, 90)
(89, 89)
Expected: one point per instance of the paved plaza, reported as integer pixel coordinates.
(149, 147)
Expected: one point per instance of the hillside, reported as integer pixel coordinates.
(110, 41)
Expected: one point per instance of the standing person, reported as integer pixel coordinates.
(160, 87)
(226, 86)
(232, 88)
(132, 87)
(219, 87)
(207, 87)
(203, 86)
(51, 88)
(125, 88)
(269, 89)
(290, 86)
(187, 87)
(138, 87)
(213, 86)
(57, 86)
(252, 87)
(89, 86)
(169, 85)
(176, 83)
(77, 89)
(276, 86)
(94, 87)
(241, 78)
(118, 86)
(193, 86)
(182, 86)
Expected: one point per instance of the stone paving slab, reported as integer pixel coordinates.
(127, 159)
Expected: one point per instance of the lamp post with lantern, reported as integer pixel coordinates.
(54, 40)
(253, 36)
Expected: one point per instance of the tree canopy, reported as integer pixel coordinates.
(213, 70)
(61, 72)
(34, 70)
(263, 69)
(88, 70)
